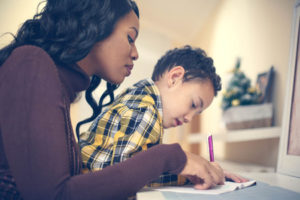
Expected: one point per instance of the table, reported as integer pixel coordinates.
(273, 186)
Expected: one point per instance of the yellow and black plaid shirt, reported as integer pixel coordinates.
(131, 124)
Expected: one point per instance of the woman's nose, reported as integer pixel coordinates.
(134, 53)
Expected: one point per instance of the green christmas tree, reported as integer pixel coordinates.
(239, 90)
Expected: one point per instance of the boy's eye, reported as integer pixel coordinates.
(130, 40)
(193, 105)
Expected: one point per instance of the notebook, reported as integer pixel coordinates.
(219, 189)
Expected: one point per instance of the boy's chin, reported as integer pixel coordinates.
(167, 126)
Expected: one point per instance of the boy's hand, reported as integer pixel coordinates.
(202, 173)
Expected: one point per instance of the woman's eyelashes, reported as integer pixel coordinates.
(130, 40)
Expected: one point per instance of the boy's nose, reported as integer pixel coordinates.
(187, 118)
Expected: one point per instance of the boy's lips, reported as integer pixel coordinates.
(178, 122)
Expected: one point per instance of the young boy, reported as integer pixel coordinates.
(183, 84)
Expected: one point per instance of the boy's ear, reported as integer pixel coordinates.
(175, 75)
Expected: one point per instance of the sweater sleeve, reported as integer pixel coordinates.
(34, 139)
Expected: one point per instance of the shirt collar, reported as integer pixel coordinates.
(153, 91)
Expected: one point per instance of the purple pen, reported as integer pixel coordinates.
(211, 148)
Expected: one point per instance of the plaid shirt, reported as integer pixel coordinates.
(131, 124)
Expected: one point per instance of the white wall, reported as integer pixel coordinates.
(12, 14)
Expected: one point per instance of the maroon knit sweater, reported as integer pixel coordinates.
(35, 97)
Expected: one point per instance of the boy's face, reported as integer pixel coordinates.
(183, 100)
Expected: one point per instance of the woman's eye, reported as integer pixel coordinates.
(130, 39)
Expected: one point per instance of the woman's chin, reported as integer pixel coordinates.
(115, 81)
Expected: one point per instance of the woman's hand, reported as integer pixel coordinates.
(234, 177)
(202, 173)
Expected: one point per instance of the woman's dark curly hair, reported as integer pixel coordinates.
(67, 30)
(195, 63)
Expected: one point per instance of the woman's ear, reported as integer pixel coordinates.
(175, 75)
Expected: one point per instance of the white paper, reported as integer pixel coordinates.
(219, 189)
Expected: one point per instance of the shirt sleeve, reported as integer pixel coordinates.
(118, 134)
(34, 139)
(168, 179)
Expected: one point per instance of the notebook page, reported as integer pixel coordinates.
(219, 189)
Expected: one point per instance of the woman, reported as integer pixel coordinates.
(41, 71)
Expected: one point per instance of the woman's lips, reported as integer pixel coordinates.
(129, 68)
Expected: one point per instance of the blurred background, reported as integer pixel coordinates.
(256, 31)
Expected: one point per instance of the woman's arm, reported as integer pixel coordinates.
(126, 178)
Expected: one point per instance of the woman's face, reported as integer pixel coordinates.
(112, 59)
